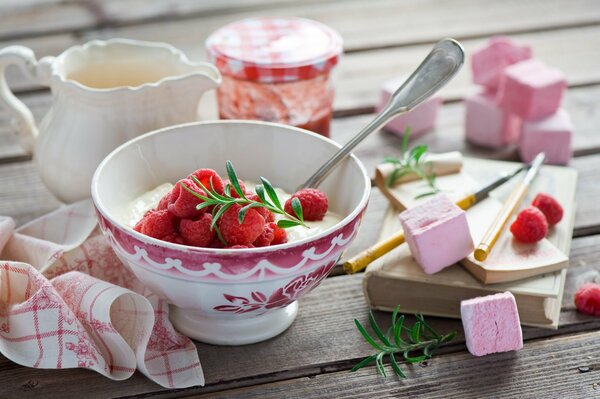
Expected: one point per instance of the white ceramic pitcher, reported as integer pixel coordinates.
(104, 93)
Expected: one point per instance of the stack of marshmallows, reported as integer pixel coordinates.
(520, 103)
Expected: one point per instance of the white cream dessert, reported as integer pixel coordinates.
(149, 200)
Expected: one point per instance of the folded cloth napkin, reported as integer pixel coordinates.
(67, 301)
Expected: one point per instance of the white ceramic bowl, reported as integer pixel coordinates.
(221, 296)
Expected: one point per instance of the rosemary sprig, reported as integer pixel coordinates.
(265, 191)
(411, 162)
(403, 340)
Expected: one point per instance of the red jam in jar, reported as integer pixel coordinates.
(277, 70)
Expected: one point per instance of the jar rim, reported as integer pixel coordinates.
(274, 49)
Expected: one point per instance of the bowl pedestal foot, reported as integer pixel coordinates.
(221, 331)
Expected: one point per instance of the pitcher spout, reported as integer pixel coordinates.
(206, 76)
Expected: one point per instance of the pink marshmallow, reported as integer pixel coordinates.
(488, 62)
(487, 125)
(420, 119)
(531, 90)
(437, 233)
(552, 135)
(491, 324)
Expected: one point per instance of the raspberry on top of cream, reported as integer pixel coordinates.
(150, 199)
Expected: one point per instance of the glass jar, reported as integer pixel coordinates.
(277, 70)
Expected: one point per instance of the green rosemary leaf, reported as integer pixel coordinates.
(426, 326)
(398, 332)
(227, 190)
(284, 223)
(233, 179)
(195, 194)
(377, 330)
(260, 191)
(395, 314)
(405, 137)
(297, 207)
(417, 152)
(205, 204)
(413, 359)
(271, 192)
(396, 175)
(379, 362)
(427, 194)
(220, 236)
(396, 367)
(366, 335)
(391, 160)
(244, 210)
(222, 209)
(415, 332)
(366, 361)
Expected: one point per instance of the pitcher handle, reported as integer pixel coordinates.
(22, 118)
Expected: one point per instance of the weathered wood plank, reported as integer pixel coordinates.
(322, 339)
(583, 103)
(360, 74)
(529, 373)
(25, 18)
(398, 22)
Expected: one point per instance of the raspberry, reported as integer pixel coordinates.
(174, 238)
(197, 232)
(314, 204)
(549, 207)
(587, 299)
(165, 201)
(264, 212)
(183, 203)
(158, 224)
(530, 226)
(138, 226)
(266, 237)
(234, 193)
(240, 246)
(241, 234)
(206, 176)
(216, 243)
(279, 235)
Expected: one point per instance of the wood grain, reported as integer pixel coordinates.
(418, 22)
(360, 74)
(529, 373)
(322, 339)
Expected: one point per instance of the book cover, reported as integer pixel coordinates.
(398, 279)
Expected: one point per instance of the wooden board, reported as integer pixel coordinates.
(361, 72)
(322, 339)
(529, 373)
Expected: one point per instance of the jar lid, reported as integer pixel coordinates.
(270, 50)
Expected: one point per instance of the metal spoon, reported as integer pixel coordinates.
(441, 64)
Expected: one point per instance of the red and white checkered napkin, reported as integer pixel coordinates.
(67, 301)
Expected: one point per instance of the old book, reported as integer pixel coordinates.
(397, 279)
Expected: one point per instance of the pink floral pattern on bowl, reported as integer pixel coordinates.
(278, 299)
(200, 264)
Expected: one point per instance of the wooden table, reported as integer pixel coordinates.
(383, 39)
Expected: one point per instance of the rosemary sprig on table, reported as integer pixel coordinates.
(265, 191)
(403, 340)
(411, 162)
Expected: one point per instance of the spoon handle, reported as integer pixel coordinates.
(440, 65)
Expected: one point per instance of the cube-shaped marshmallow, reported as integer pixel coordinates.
(437, 233)
(488, 125)
(531, 89)
(552, 135)
(491, 324)
(488, 62)
(420, 119)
